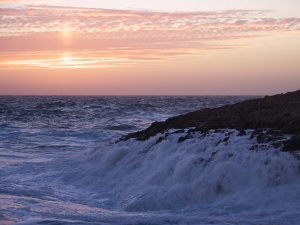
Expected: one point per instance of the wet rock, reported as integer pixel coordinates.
(182, 139)
(278, 113)
(242, 133)
(293, 144)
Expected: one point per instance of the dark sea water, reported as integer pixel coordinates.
(59, 164)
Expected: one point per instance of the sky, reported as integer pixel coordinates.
(142, 47)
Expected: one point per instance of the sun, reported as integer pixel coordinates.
(67, 59)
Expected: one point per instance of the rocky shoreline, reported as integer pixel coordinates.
(280, 114)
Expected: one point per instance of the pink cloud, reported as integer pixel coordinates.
(131, 35)
(103, 24)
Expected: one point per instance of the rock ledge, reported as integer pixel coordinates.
(280, 113)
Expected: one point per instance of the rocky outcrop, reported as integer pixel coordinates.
(279, 112)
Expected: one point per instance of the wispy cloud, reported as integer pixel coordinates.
(96, 35)
(23, 1)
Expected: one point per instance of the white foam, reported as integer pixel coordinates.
(202, 171)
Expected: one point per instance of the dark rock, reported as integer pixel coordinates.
(261, 138)
(277, 113)
(293, 144)
(182, 139)
(226, 139)
(242, 133)
(160, 139)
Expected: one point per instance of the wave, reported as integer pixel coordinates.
(180, 170)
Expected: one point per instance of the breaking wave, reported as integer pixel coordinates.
(168, 172)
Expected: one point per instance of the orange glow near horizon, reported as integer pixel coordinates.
(103, 51)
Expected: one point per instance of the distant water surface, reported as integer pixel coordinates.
(34, 123)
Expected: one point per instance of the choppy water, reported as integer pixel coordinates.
(59, 165)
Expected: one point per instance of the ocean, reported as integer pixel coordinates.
(61, 163)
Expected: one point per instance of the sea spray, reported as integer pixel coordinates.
(164, 173)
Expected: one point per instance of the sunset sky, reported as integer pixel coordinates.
(143, 47)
